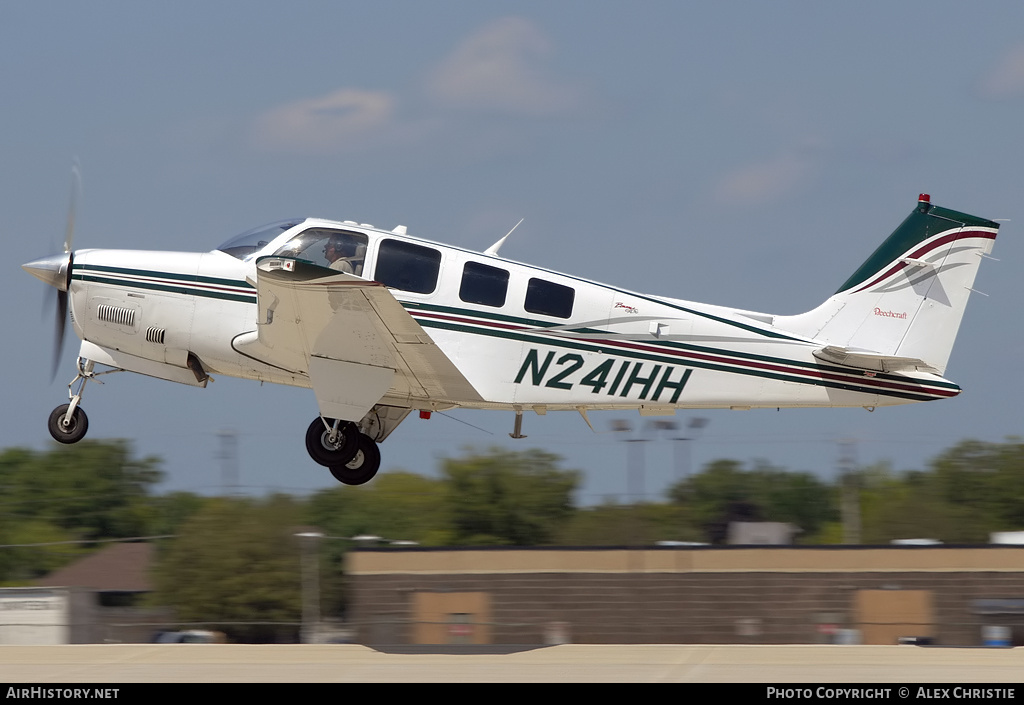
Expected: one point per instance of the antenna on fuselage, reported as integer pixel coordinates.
(493, 249)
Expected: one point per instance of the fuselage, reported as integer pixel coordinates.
(524, 337)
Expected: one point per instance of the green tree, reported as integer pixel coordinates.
(984, 482)
(724, 492)
(31, 548)
(624, 524)
(236, 566)
(970, 490)
(94, 489)
(904, 506)
(170, 511)
(53, 499)
(395, 506)
(508, 498)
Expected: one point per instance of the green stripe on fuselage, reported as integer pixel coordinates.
(157, 274)
(689, 362)
(608, 346)
(157, 286)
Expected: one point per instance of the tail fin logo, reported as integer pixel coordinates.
(890, 314)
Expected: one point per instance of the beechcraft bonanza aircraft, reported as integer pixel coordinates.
(380, 324)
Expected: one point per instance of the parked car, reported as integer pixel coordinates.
(190, 636)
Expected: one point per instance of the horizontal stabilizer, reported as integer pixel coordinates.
(866, 360)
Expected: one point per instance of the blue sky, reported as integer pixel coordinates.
(745, 154)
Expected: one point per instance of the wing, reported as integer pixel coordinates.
(352, 337)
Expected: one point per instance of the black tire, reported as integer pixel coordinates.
(363, 467)
(321, 450)
(74, 431)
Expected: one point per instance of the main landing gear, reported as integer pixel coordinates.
(351, 456)
(68, 422)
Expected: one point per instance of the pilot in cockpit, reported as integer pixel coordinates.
(340, 251)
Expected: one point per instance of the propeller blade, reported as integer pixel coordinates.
(56, 270)
(76, 188)
(58, 338)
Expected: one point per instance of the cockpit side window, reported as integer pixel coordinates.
(341, 250)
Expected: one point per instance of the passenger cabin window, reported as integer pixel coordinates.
(341, 250)
(409, 267)
(549, 299)
(482, 284)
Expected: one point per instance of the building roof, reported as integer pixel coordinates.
(123, 567)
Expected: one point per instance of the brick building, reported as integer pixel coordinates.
(762, 595)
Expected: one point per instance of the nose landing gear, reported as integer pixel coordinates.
(68, 427)
(68, 422)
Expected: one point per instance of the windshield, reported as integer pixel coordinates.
(250, 242)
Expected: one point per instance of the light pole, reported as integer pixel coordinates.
(634, 479)
(310, 585)
(693, 427)
(635, 461)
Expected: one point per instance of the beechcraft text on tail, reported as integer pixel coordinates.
(380, 324)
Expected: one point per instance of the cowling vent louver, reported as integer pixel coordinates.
(116, 314)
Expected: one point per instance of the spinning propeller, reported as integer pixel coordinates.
(55, 270)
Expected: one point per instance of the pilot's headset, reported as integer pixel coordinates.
(344, 245)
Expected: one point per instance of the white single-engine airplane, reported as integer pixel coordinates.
(380, 323)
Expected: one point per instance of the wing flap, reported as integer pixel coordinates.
(353, 337)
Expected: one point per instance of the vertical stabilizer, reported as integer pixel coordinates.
(907, 300)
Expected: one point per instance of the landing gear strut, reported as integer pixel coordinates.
(68, 422)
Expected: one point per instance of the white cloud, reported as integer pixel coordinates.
(1006, 79)
(767, 181)
(499, 68)
(344, 120)
(496, 69)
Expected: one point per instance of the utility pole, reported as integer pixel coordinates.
(849, 480)
(228, 461)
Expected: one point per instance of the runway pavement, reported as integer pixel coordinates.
(649, 663)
